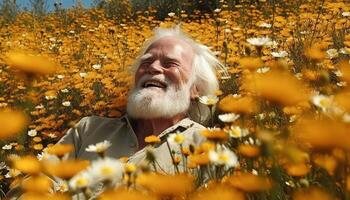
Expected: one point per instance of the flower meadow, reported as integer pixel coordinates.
(279, 126)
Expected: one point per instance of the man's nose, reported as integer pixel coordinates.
(155, 67)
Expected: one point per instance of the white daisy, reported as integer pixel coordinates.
(346, 14)
(237, 132)
(332, 53)
(279, 54)
(263, 70)
(99, 147)
(107, 169)
(60, 76)
(259, 41)
(40, 106)
(81, 180)
(66, 103)
(322, 101)
(32, 133)
(223, 157)
(228, 117)
(171, 14)
(83, 74)
(209, 100)
(7, 147)
(96, 66)
(265, 25)
(65, 90)
(176, 138)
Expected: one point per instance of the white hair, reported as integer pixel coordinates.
(204, 66)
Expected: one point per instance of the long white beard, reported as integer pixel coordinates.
(148, 103)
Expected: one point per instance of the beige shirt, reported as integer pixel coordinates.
(118, 131)
(94, 129)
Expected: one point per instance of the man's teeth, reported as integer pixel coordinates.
(153, 84)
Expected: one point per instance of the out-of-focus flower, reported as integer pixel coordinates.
(280, 54)
(176, 138)
(312, 194)
(66, 103)
(249, 150)
(129, 168)
(65, 90)
(198, 160)
(237, 132)
(215, 134)
(28, 165)
(250, 63)
(327, 162)
(249, 182)
(152, 139)
(209, 100)
(223, 157)
(166, 185)
(60, 186)
(345, 14)
(96, 66)
(237, 104)
(12, 173)
(30, 63)
(83, 74)
(65, 169)
(322, 101)
(260, 41)
(107, 169)
(37, 184)
(60, 76)
(122, 193)
(263, 70)
(7, 147)
(60, 149)
(81, 180)
(32, 133)
(217, 10)
(11, 123)
(315, 52)
(228, 117)
(332, 53)
(222, 192)
(99, 147)
(271, 85)
(297, 169)
(265, 25)
(171, 14)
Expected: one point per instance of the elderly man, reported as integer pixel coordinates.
(171, 71)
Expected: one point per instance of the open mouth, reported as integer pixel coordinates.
(153, 83)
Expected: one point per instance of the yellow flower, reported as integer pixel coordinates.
(312, 194)
(65, 169)
(221, 192)
(215, 134)
(30, 63)
(152, 139)
(37, 184)
(129, 168)
(327, 162)
(11, 123)
(251, 63)
(249, 182)
(60, 149)
(248, 150)
(198, 159)
(297, 169)
(125, 194)
(27, 164)
(271, 85)
(237, 104)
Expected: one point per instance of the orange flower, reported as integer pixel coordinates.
(65, 169)
(60, 149)
(297, 169)
(37, 184)
(198, 159)
(11, 123)
(237, 104)
(250, 63)
(30, 63)
(315, 52)
(272, 84)
(125, 194)
(312, 194)
(215, 134)
(167, 185)
(221, 192)
(27, 164)
(322, 133)
(343, 100)
(249, 182)
(152, 139)
(327, 162)
(249, 150)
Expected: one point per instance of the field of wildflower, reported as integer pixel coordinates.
(280, 125)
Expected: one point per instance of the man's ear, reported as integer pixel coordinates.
(194, 92)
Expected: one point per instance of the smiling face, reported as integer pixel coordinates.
(163, 80)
